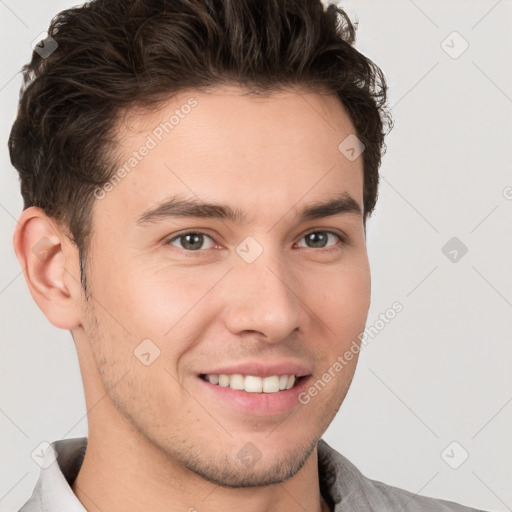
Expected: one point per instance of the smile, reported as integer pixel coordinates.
(252, 383)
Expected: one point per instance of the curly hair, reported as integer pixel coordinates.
(112, 55)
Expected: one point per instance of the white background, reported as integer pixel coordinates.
(440, 371)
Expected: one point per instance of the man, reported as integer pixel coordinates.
(196, 180)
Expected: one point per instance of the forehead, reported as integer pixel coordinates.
(236, 148)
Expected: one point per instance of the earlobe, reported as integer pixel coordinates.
(49, 263)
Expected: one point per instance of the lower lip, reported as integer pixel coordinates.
(260, 404)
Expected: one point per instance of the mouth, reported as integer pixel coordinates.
(254, 383)
(252, 395)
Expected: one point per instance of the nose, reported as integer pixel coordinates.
(263, 297)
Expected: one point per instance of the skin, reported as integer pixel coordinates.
(156, 440)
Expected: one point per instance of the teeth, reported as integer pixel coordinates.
(271, 384)
(252, 383)
(236, 381)
(224, 381)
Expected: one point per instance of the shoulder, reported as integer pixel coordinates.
(393, 498)
(349, 489)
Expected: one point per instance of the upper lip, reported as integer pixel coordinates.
(261, 369)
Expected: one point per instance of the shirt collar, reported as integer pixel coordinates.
(59, 469)
(340, 481)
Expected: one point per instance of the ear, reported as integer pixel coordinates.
(51, 267)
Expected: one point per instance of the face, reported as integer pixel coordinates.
(256, 290)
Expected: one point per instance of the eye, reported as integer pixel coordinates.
(318, 239)
(192, 240)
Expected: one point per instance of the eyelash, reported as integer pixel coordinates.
(336, 247)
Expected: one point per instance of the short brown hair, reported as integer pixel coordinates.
(115, 54)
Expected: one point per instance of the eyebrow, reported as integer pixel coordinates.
(177, 206)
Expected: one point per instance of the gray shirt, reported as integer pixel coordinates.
(341, 483)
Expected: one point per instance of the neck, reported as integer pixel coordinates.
(123, 471)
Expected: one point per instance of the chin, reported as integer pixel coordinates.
(250, 467)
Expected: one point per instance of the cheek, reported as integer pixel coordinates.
(146, 299)
(341, 298)
(172, 308)
(158, 301)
